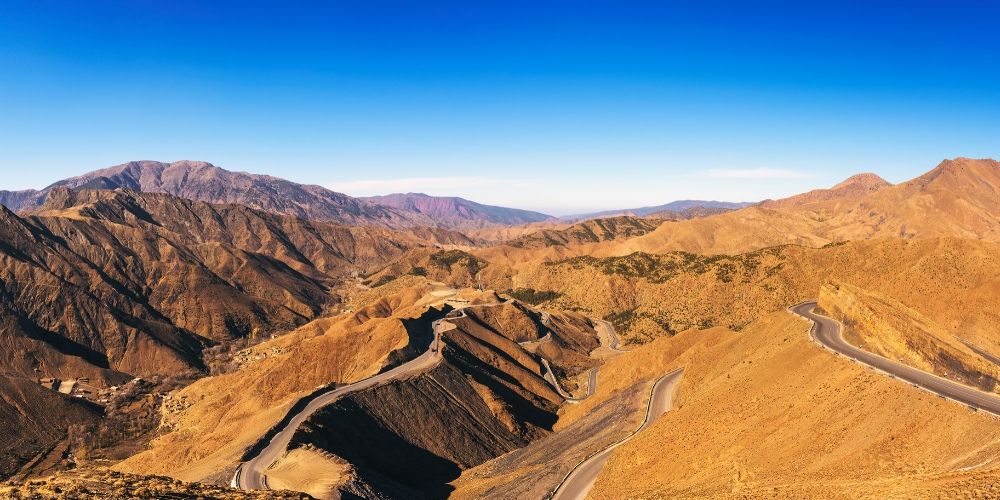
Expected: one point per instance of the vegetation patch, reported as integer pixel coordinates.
(658, 269)
(386, 278)
(532, 296)
(621, 320)
(446, 259)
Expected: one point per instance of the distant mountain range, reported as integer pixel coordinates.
(672, 207)
(458, 209)
(201, 181)
(205, 182)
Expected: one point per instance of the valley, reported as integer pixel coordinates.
(151, 331)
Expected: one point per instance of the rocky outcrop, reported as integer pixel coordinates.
(16, 200)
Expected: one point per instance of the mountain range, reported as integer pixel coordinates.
(441, 208)
(669, 208)
(171, 319)
(205, 182)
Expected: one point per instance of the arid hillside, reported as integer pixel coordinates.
(37, 426)
(674, 206)
(591, 231)
(487, 397)
(651, 295)
(957, 198)
(689, 213)
(884, 326)
(849, 191)
(767, 413)
(104, 484)
(209, 425)
(99, 282)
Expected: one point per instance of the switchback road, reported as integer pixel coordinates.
(251, 475)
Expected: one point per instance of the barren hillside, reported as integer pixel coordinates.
(746, 403)
(956, 198)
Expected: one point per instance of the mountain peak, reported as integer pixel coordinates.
(867, 181)
(854, 187)
(961, 170)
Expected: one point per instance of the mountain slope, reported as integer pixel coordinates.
(674, 206)
(15, 200)
(205, 182)
(853, 188)
(35, 420)
(590, 231)
(959, 197)
(768, 414)
(457, 212)
(109, 283)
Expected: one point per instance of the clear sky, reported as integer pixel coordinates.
(557, 106)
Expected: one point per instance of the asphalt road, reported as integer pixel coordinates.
(251, 474)
(980, 351)
(609, 330)
(608, 338)
(551, 378)
(827, 332)
(581, 479)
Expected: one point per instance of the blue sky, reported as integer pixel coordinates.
(557, 106)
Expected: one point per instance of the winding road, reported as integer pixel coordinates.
(980, 351)
(608, 338)
(578, 483)
(251, 475)
(607, 329)
(827, 332)
(550, 377)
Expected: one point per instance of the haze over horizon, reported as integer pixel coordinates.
(551, 108)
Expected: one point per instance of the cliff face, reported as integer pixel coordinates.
(16, 200)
